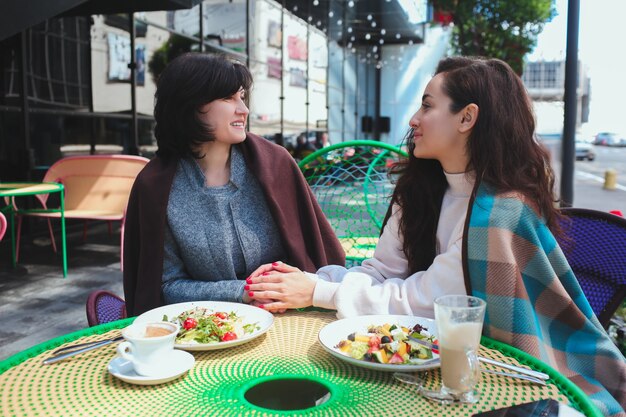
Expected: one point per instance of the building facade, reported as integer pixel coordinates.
(545, 82)
(84, 83)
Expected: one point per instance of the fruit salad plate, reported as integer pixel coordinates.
(381, 342)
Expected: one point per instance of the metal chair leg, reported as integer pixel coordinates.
(54, 245)
(18, 239)
(122, 246)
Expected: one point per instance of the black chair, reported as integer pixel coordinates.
(594, 243)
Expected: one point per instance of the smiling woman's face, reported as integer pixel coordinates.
(227, 117)
(436, 132)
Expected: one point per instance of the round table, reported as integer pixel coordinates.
(216, 385)
(11, 190)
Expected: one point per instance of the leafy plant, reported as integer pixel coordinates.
(617, 330)
(504, 29)
(171, 48)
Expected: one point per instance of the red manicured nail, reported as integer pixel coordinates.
(251, 294)
(262, 306)
(249, 280)
(265, 273)
(246, 287)
(275, 263)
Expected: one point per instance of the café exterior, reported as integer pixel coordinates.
(78, 77)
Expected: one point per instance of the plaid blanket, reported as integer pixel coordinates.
(534, 301)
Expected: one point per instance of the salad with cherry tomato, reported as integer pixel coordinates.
(389, 344)
(201, 325)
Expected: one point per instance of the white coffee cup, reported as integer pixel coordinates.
(147, 345)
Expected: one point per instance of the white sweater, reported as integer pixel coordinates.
(382, 284)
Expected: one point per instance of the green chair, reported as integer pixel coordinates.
(353, 186)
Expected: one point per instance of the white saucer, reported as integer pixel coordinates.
(178, 362)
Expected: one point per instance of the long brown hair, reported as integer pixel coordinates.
(503, 152)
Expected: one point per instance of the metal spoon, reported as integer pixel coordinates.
(438, 396)
(518, 369)
(82, 345)
(532, 373)
(518, 376)
(411, 379)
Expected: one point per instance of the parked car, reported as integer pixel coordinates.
(584, 150)
(610, 139)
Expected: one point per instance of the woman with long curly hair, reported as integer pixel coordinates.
(473, 212)
(475, 126)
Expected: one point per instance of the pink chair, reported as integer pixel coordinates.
(3, 225)
(97, 187)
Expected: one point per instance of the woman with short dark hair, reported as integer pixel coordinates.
(188, 83)
(217, 201)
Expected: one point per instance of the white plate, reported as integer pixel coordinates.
(248, 313)
(334, 332)
(177, 363)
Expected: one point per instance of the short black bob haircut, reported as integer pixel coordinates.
(187, 83)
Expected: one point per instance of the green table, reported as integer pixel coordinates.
(11, 190)
(217, 384)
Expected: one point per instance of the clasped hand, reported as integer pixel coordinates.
(278, 286)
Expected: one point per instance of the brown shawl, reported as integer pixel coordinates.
(307, 237)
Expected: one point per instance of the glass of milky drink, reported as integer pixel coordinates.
(459, 321)
(147, 346)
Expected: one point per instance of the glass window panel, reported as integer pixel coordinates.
(159, 47)
(224, 24)
(57, 63)
(110, 56)
(295, 57)
(265, 66)
(318, 61)
(10, 145)
(147, 141)
(154, 50)
(187, 22)
(9, 75)
(335, 96)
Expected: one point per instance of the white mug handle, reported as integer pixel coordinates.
(125, 350)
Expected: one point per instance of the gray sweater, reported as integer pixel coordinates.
(215, 236)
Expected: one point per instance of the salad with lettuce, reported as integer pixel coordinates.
(389, 344)
(203, 326)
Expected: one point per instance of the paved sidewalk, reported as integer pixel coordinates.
(37, 303)
(588, 193)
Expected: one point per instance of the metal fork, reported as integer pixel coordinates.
(74, 350)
